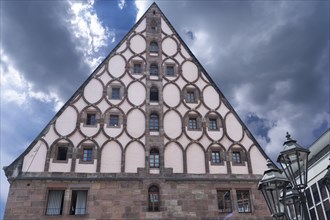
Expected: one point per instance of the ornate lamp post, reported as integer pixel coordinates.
(284, 194)
(273, 185)
(294, 162)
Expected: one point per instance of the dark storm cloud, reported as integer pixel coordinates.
(37, 41)
(274, 55)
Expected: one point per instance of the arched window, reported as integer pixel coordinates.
(154, 158)
(153, 201)
(153, 69)
(154, 94)
(153, 47)
(154, 122)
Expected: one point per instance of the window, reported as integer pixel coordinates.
(153, 70)
(137, 69)
(87, 154)
(154, 47)
(78, 202)
(154, 158)
(170, 70)
(153, 123)
(115, 93)
(216, 157)
(224, 201)
(62, 152)
(153, 201)
(236, 156)
(91, 119)
(114, 121)
(190, 98)
(192, 123)
(55, 202)
(154, 94)
(243, 201)
(213, 124)
(153, 26)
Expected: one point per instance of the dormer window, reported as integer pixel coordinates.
(153, 47)
(153, 70)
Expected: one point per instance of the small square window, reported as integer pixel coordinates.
(115, 93)
(114, 121)
(153, 70)
(87, 154)
(154, 94)
(216, 157)
(190, 98)
(91, 119)
(62, 153)
(137, 68)
(236, 156)
(213, 124)
(192, 123)
(243, 201)
(170, 70)
(224, 201)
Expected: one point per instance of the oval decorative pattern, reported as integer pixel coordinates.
(116, 66)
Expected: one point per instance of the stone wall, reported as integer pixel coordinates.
(118, 199)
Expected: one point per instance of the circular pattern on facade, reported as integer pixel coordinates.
(172, 124)
(136, 93)
(66, 123)
(136, 123)
(171, 95)
(211, 97)
(233, 127)
(169, 46)
(138, 44)
(116, 66)
(189, 71)
(93, 91)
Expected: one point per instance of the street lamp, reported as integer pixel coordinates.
(273, 185)
(294, 162)
(284, 194)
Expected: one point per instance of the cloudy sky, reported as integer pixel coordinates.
(269, 58)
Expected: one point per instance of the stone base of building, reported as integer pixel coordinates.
(128, 199)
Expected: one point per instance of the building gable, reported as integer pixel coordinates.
(149, 93)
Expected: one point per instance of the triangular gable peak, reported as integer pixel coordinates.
(150, 93)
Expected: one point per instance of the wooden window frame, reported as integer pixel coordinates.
(153, 205)
(241, 197)
(226, 200)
